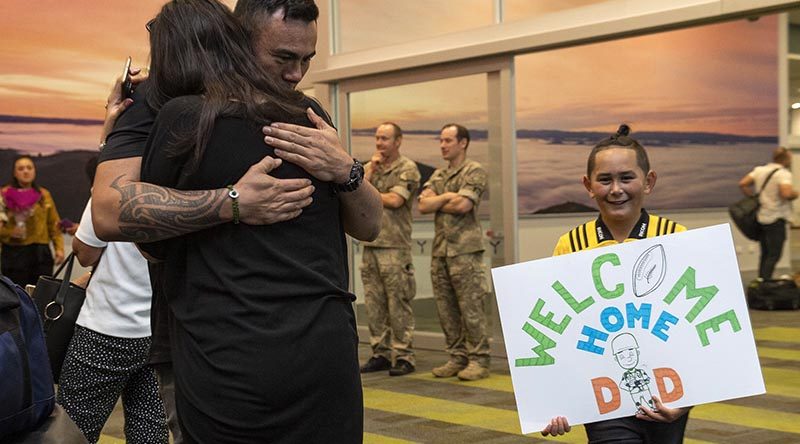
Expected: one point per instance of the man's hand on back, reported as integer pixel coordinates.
(267, 200)
(317, 150)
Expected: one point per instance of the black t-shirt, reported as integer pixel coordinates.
(302, 257)
(129, 136)
(231, 276)
(128, 139)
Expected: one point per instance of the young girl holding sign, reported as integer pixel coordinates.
(618, 177)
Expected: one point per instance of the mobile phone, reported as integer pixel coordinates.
(127, 85)
(65, 224)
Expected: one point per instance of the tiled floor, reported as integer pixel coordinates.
(420, 408)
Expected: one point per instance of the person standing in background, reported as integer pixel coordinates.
(458, 273)
(107, 357)
(387, 270)
(773, 184)
(30, 228)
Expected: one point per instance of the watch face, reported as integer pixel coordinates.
(357, 172)
(356, 176)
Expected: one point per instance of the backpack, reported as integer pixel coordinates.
(27, 397)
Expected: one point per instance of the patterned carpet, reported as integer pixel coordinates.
(421, 408)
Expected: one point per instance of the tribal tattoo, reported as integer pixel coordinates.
(150, 213)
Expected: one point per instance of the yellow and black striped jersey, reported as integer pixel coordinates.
(595, 233)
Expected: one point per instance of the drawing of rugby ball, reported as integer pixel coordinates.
(649, 270)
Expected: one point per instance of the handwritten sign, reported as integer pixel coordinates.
(594, 334)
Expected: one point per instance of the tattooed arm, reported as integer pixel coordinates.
(125, 209)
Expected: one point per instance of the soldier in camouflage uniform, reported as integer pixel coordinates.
(387, 271)
(458, 273)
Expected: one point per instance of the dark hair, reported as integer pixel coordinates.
(197, 47)
(780, 154)
(395, 128)
(253, 13)
(620, 139)
(461, 132)
(14, 182)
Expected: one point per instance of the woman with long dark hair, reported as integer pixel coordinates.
(30, 226)
(263, 339)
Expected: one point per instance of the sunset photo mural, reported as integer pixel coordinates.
(702, 100)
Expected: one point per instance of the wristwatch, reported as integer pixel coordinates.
(356, 177)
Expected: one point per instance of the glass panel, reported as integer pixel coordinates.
(794, 32)
(524, 9)
(794, 96)
(367, 24)
(794, 72)
(702, 100)
(420, 110)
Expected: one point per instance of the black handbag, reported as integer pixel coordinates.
(745, 213)
(59, 302)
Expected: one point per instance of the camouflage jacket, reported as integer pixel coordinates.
(457, 234)
(402, 178)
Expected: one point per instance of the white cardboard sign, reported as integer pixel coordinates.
(591, 334)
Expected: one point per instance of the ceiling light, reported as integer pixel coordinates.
(796, 105)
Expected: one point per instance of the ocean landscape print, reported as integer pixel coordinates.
(59, 62)
(702, 100)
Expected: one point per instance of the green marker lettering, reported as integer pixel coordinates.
(570, 300)
(687, 281)
(547, 321)
(598, 282)
(542, 357)
(714, 324)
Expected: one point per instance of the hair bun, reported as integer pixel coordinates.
(623, 130)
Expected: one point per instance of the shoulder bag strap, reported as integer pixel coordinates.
(766, 181)
(62, 289)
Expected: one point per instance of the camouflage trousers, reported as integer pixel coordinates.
(389, 288)
(461, 289)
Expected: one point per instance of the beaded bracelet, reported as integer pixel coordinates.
(234, 195)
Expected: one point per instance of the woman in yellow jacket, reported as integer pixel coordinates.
(30, 227)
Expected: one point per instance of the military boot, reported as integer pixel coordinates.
(473, 372)
(449, 369)
(376, 364)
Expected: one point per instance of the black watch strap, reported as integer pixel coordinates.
(356, 177)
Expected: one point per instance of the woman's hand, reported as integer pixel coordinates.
(58, 258)
(19, 231)
(116, 104)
